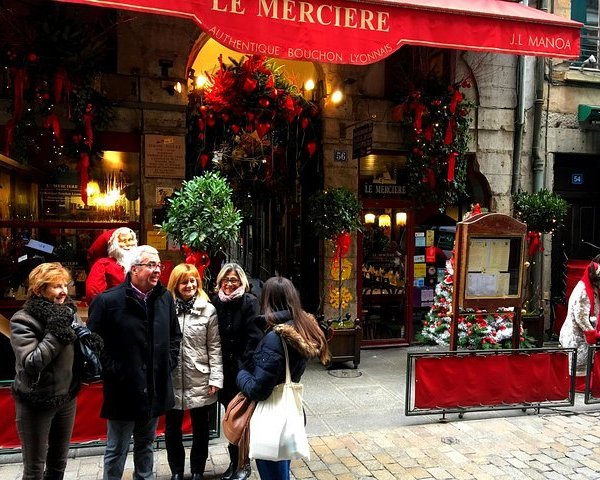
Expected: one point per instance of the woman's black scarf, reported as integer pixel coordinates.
(47, 311)
(183, 307)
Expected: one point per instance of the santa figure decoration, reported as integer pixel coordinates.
(109, 271)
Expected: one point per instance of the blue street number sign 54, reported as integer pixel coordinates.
(577, 178)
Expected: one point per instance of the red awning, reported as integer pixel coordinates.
(363, 32)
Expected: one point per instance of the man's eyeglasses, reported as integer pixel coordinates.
(231, 281)
(152, 265)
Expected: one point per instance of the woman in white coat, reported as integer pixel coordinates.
(199, 372)
(581, 327)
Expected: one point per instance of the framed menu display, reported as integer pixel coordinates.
(489, 268)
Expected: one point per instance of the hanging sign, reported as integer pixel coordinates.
(360, 33)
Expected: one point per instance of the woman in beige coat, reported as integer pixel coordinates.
(199, 372)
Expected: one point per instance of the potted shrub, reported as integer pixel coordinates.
(334, 215)
(543, 212)
(201, 216)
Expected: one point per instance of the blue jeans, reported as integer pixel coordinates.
(118, 436)
(269, 470)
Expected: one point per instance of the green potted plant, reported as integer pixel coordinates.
(334, 214)
(543, 212)
(201, 216)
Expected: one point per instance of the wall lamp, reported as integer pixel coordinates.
(172, 87)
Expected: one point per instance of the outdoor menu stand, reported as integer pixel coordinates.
(489, 268)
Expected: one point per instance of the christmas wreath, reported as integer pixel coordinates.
(253, 124)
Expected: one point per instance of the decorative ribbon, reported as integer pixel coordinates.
(449, 136)
(10, 135)
(533, 240)
(198, 258)
(457, 97)
(51, 121)
(83, 165)
(419, 110)
(59, 84)
(19, 77)
(451, 166)
(87, 120)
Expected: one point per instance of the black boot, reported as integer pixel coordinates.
(233, 461)
(243, 473)
(53, 476)
(177, 476)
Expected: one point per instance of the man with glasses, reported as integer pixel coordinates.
(138, 323)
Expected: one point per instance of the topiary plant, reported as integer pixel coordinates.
(201, 215)
(543, 211)
(332, 212)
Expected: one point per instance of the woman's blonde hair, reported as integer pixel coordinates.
(238, 270)
(182, 272)
(45, 274)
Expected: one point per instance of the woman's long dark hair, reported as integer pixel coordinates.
(279, 294)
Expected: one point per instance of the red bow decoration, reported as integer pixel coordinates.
(342, 244)
(198, 258)
(534, 242)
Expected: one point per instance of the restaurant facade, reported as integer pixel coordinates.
(377, 54)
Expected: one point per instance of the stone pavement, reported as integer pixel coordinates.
(358, 430)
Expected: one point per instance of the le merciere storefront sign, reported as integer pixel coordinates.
(360, 33)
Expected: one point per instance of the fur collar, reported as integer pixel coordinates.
(44, 310)
(290, 335)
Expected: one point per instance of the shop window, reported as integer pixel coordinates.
(586, 12)
(44, 215)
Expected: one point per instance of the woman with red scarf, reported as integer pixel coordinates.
(581, 326)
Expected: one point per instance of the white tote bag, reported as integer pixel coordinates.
(277, 426)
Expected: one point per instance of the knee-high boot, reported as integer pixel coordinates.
(233, 461)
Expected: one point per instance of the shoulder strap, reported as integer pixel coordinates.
(288, 375)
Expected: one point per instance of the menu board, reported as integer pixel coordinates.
(492, 267)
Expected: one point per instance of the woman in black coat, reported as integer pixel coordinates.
(237, 310)
(286, 322)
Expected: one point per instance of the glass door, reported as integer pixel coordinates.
(384, 278)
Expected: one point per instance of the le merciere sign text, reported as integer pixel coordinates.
(164, 156)
(360, 33)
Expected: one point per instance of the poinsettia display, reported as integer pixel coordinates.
(477, 330)
(438, 116)
(253, 124)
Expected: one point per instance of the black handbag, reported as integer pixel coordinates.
(87, 358)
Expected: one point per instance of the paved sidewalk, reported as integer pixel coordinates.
(358, 430)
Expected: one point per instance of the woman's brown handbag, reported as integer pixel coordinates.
(236, 424)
